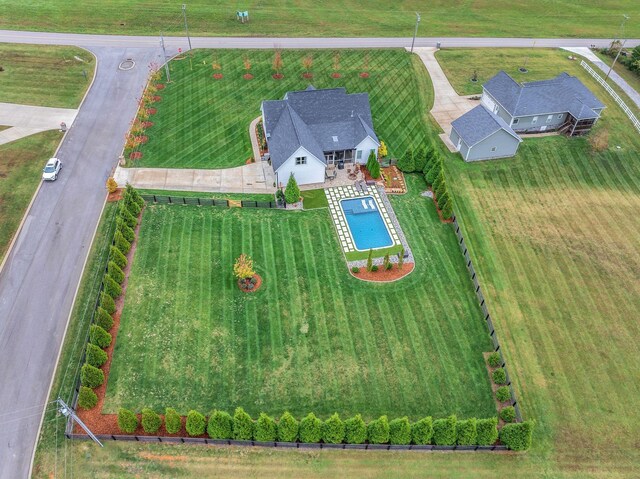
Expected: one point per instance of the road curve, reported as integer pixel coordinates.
(88, 40)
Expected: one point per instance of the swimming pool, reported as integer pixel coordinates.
(365, 222)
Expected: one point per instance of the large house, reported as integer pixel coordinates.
(311, 129)
(507, 108)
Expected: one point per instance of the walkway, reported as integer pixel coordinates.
(617, 79)
(27, 120)
(252, 178)
(254, 139)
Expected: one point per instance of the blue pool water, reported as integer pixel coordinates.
(365, 223)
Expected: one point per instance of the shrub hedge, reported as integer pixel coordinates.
(95, 356)
(378, 431)
(127, 421)
(486, 431)
(288, 427)
(444, 431)
(503, 394)
(99, 336)
(121, 243)
(127, 232)
(172, 421)
(87, 399)
(220, 425)
(265, 428)
(151, 420)
(112, 287)
(310, 428)
(91, 376)
(422, 431)
(115, 272)
(517, 436)
(117, 257)
(466, 433)
(103, 319)
(107, 303)
(499, 376)
(508, 414)
(355, 430)
(494, 359)
(128, 218)
(400, 430)
(196, 423)
(242, 425)
(333, 429)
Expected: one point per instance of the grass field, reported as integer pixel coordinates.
(21, 163)
(204, 123)
(349, 18)
(313, 338)
(44, 75)
(632, 78)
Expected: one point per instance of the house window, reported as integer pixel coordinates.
(301, 160)
(493, 149)
(549, 118)
(560, 116)
(358, 154)
(535, 120)
(516, 120)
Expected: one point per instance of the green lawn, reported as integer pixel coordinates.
(313, 338)
(21, 164)
(632, 78)
(348, 18)
(44, 75)
(204, 123)
(312, 199)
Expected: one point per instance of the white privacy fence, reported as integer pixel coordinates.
(615, 96)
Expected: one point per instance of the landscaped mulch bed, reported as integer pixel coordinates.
(152, 111)
(217, 76)
(364, 75)
(135, 155)
(384, 275)
(247, 76)
(307, 76)
(278, 76)
(394, 180)
(494, 388)
(336, 75)
(115, 196)
(256, 286)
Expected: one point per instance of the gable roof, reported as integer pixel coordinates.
(318, 120)
(564, 93)
(478, 124)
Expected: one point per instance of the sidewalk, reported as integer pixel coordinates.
(27, 120)
(252, 178)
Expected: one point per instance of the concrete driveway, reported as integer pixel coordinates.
(27, 120)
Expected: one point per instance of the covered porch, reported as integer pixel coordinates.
(339, 157)
(335, 176)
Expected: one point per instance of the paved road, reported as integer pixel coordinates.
(265, 42)
(39, 280)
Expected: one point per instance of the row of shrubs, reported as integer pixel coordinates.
(503, 393)
(428, 161)
(91, 376)
(221, 425)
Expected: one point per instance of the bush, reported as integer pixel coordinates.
(440, 191)
(292, 192)
(220, 425)
(378, 431)
(499, 376)
(420, 159)
(196, 423)
(355, 430)
(422, 431)
(111, 286)
(266, 430)
(103, 319)
(87, 398)
(486, 431)
(389, 266)
(517, 437)
(466, 434)
(127, 232)
(91, 376)
(111, 185)
(333, 430)
(95, 355)
(115, 272)
(406, 163)
(121, 243)
(374, 268)
(132, 194)
(438, 181)
(99, 336)
(107, 303)
(494, 360)
(503, 394)
(288, 428)
(127, 421)
(386, 261)
(508, 414)
(370, 260)
(117, 257)
(374, 171)
(172, 421)
(151, 420)
(243, 426)
(599, 140)
(128, 218)
(355, 269)
(310, 428)
(443, 199)
(132, 207)
(434, 171)
(400, 431)
(444, 431)
(447, 210)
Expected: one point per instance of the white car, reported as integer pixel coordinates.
(51, 169)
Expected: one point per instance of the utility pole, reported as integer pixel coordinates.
(66, 411)
(625, 17)
(164, 54)
(415, 32)
(186, 29)
(614, 61)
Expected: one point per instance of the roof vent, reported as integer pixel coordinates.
(335, 138)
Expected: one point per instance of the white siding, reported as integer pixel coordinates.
(366, 146)
(488, 101)
(312, 172)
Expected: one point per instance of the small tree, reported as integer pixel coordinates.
(422, 431)
(420, 159)
(127, 421)
(386, 262)
(292, 192)
(382, 149)
(151, 421)
(307, 63)
(333, 430)
(247, 63)
(443, 198)
(266, 430)
(172, 421)
(374, 170)
(91, 376)
(87, 398)
(131, 220)
(103, 319)
(406, 162)
(517, 436)
(438, 182)
(444, 431)
(243, 268)
(111, 286)
(378, 431)
(99, 336)
(95, 356)
(121, 243)
(355, 430)
(310, 429)
(486, 431)
(243, 426)
(112, 186)
(115, 272)
(196, 423)
(220, 425)
(447, 210)
(107, 303)
(277, 63)
(288, 428)
(117, 257)
(400, 431)
(370, 260)
(127, 232)
(401, 259)
(466, 432)
(508, 414)
(434, 171)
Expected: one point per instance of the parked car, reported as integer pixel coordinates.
(51, 169)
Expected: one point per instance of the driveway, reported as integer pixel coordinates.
(27, 120)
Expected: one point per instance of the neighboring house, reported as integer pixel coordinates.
(561, 104)
(310, 129)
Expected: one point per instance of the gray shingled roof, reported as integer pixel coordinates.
(312, 118)
(478, 124)
(563, 93)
